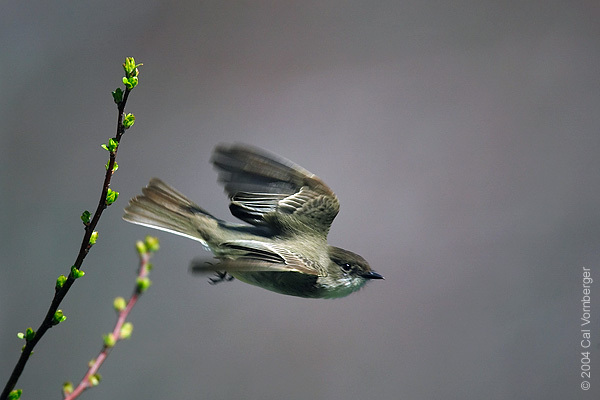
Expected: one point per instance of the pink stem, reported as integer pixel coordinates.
(85, 382)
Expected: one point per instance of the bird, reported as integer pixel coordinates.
(282, 247)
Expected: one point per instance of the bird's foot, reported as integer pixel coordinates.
(220, 276)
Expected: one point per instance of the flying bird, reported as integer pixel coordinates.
(288, 211)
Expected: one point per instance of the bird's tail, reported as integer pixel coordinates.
(162, 207)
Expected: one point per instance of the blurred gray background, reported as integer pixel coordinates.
(462, 139)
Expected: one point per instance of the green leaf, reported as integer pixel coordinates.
(58, 317)
(67, 388)
(94, 238)
(128, 121)
(130, 82)
(130, 67)
(111, 197)
(109, 340)
(126, 330)
(85, 217)
(29, 334)
(142, 284)
(111, 146)
(117, 95)
(76, 273)
(140, 247)
(60, 282)
(119, 304)
(15, 394)
(95, 379)
(152, 243)
(20, 335)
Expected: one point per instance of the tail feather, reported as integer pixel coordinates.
(162, 207)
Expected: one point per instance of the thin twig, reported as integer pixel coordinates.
(61, 291)
(88, 381)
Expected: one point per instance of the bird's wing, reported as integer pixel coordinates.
(259, 256)
(266, 190)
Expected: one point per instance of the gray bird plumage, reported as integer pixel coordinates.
(290, 211)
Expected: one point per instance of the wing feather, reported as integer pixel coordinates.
(266, 190)
(254, 255)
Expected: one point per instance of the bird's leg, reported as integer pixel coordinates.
(202, 267)
(220, 276)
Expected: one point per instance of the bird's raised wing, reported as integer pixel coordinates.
(266, 190)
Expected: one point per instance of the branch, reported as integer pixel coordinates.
(54, 316)
(122, 329)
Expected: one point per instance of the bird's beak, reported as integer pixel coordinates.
(372, 275)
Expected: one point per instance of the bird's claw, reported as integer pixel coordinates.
(220, 276)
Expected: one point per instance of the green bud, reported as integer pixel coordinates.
(91, 363)
(15, 394)
(29, 334)
(67, 388)
(109, 340)
(126, 330)
(152, 243)
(119, 304)
(117, 95)
(111, 197)
(128, 120)
(130, 82)
(60, 281)
(94, 237)
(77, 273)
(129, 66)
(115, 167)
(58, 317)
(95, 379)
(111, 146)
(140, 247)
(142, 284)
(85, 217)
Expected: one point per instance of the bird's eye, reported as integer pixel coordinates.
(346, 267)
